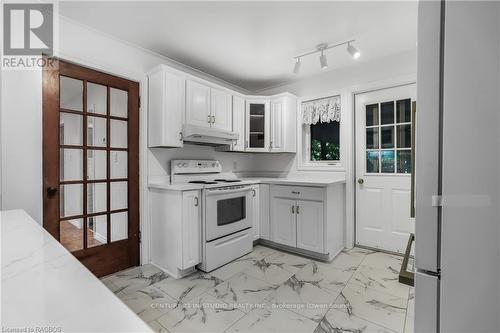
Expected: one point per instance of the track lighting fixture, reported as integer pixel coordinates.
(296, 68)
(353, 51)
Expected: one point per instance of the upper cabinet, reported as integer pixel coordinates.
(257, 129)
(239, 122)
(208, 107)
(221, 109)
(198, 104)
(283, 129)
(166, 107)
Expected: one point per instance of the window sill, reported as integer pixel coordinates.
(320, 167)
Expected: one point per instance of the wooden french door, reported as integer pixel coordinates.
(91, 166)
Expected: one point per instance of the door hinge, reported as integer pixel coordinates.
(140, 237)
(437, 201)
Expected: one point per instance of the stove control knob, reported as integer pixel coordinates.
(184, 165)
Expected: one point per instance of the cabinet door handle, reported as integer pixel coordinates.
(213, 119)
(196, 201)
(295, 192)
(254, 193)
(180, 136)
(298, 212)
(209, 120)
(293, 209)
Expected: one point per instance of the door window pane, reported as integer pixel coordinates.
(118, 102)
(118, 164)
(372, 115)
(71, 200)
(372, 161)
(96, 131)
(387, 136)
(119, 226)
(118, 134)
(387, 161)
(403, 111)
(372, 138)
(70, 129)
(71, 234)
(96, 98)
(404, 161)
(70, 93)
(97, 230)
(71, 164)
(96, 198)
(404, 136)
(96, 164)
(387, 113)
(119, 191)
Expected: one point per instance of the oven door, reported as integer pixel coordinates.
(227, 211)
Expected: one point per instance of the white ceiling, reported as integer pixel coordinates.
(252, 45)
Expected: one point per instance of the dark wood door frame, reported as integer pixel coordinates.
(113, 256)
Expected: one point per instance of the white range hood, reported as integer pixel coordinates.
(208, 136)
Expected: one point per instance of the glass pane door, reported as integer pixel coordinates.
(93, 145)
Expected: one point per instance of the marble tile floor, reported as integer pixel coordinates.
(274, 291)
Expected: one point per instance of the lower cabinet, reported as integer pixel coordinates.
(284, 222)
(255, 212)
(175, 233)
(310, 226)
(264, 197)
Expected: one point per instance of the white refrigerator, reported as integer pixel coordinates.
(457, 233)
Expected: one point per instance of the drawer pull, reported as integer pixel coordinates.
(295, 192)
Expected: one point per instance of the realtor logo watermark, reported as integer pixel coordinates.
(28, 35)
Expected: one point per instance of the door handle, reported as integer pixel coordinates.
(361, 181)
(51, 190)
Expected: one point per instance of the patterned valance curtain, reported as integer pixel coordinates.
(322, 110)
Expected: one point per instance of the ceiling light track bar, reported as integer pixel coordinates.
(323, 47)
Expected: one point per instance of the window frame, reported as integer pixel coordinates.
(304, 162)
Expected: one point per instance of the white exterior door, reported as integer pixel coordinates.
(310, 229)
(383, 167)
(197, 104)
(221, 110)
(284, 222)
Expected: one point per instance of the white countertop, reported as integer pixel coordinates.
(43, 285)
(319, 182)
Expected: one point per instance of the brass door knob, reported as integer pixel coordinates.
(361, 181)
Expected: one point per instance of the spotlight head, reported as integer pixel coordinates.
(322, 61)
(296, 68)
(354, 52)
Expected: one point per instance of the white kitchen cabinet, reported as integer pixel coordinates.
(255, 211)
(198, 104)
(257, 125)
(221, 109)
(175, 230)
(283, 222)
(310, 226)
(264, 210)
(308, 218)
(239, 123)
(166, 107)
(191, 226)
(283, 120)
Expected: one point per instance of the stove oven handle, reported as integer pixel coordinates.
(239, 190)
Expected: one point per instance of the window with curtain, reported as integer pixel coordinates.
(321, 123)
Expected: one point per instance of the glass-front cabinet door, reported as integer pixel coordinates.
(257, 125)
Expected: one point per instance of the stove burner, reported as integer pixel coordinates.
(201, 182)
(228, 180)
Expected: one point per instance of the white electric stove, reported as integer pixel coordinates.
(226, 210)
